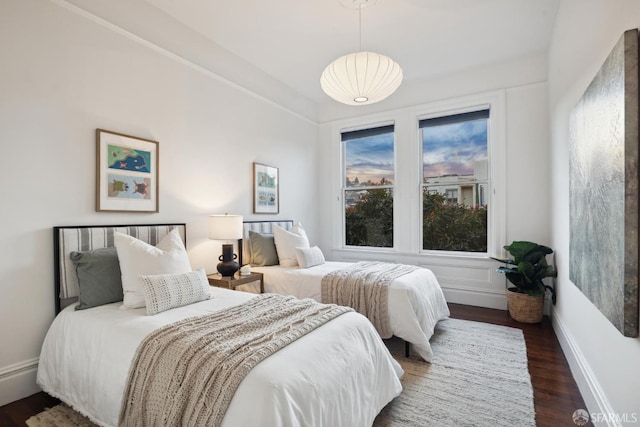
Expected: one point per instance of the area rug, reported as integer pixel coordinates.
(59, 416)
(478, 377)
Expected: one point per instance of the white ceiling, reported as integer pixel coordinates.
(294, 40)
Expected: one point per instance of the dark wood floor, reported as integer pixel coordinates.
(556, 395)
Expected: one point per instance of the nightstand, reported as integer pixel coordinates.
(236, 280)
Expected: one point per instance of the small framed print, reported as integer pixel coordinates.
(266, 193)
(126, 173)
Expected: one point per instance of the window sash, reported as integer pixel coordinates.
(389, 187)
(463, 181)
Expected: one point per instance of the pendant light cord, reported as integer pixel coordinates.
(360, 25)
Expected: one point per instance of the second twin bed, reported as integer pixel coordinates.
(415, 299)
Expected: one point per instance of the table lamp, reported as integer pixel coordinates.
(226, 227)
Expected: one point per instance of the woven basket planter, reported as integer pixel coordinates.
(525, 308)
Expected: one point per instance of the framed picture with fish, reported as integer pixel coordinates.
(126, 173)
(266, 193)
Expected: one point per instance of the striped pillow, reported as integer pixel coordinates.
(165, 291)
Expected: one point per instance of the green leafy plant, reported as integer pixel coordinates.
(452, 226)
(370, 221)
(529, 268)
(446, 226)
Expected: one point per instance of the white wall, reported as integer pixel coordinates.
(522, 87)
(64, 74)
(605, 364)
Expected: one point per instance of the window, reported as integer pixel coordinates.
(368, 186)
(455, 182)
(451, 195)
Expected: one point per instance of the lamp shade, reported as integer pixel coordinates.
(361, 78)
(225, 227)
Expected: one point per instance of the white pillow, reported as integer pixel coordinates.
(308, 257)
(136, 257)
(287, 242)
(165, 291)
(297, 229)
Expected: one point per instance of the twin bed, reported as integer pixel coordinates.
(415, 302)
(339, 373)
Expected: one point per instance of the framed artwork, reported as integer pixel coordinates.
(126, 173)
(603, 188)
(266, 193)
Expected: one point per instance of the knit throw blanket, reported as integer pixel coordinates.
(187, 372)
(365, 287)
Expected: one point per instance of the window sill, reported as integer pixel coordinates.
(421, 258)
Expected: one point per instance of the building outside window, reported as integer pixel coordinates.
(368, 182)
(455, 182)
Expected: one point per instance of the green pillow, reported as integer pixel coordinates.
(99, 277)
(263, 249)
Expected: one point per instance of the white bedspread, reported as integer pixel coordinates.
(416, 301)
(340, 374)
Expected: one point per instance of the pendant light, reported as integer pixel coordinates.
(361, 78)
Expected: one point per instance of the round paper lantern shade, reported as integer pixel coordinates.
(361, 78)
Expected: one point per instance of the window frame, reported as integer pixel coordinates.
(407, 199)
(344, 188)
(451, 114)
(496, 153)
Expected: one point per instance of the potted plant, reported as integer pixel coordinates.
(525, 271)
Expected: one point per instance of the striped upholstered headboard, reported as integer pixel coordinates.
(85, 238)
(264, 227)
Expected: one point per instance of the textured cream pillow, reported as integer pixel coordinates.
(287, 242)
(137, 258)
(308, 257)
(165, 291)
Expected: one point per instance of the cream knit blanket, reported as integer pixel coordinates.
(364, 286)
(186, 373)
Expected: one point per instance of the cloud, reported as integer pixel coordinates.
(454, 148)
(370, 158)
(451, 149)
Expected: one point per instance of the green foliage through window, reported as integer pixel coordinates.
(447, 226)
(452, 226)
(369, 220)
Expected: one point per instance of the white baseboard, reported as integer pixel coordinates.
(592, 393)
(478, 298)
(18, 381)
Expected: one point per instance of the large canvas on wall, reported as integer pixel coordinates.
(603, 186)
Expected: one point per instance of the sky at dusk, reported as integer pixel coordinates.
(453, 148)
(370, 158)
(447, 150)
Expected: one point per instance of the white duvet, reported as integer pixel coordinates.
(416, 301)
(341, 374)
